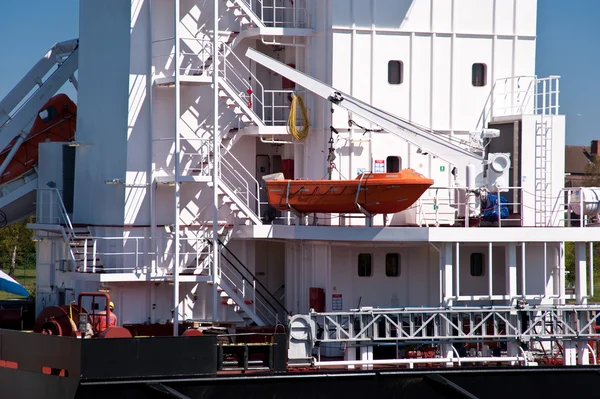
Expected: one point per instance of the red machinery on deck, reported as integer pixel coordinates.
(75, 320)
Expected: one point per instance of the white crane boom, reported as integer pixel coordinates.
(418, 136)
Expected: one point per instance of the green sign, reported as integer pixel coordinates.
(442, 168)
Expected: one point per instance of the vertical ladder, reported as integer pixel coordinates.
(543, 171)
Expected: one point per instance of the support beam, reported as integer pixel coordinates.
(216, 165)
(177, 175)
(580, 274)
(27, 113)
(511, 272)
(416, 135)
(448, 283)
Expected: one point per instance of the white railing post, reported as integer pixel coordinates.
(137, 251)
(94, 254)
(84, 256)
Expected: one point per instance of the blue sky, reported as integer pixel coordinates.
(568, 45)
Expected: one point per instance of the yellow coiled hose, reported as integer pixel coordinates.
(291, 125)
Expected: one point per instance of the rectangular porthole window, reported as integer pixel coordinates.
(392, 265)
(476, 264)
(395, 72)
(479, 75)
(365, 265)
(393, 164)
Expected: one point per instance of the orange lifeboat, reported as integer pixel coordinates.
(56, 121)
(377, 193)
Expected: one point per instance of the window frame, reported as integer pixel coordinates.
(398, 264)
(390, 71)
(475, 74)
(369, 265)
(473, 265)
(387, 163)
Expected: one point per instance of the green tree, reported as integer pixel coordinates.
(592, 172)
(592, 179)
(16, 247)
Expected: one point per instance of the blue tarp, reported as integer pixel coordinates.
(10, 285)
(490, 208)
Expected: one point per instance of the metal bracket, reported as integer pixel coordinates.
(359, 207)
(296, 213)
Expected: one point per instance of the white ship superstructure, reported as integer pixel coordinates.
(161, 199)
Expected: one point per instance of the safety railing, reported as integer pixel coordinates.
(464, 324)
(521, 95)
(438, 204)
(576, 207)
(138, 256)
(197, 160)
(279, 13)
(458, 207)
(195, 57)
(50, 209)
(237, 75)
(263, 302)
(277, 107)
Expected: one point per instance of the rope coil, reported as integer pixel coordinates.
(291, 125)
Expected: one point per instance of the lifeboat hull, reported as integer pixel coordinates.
(377, 193)
(56, 121)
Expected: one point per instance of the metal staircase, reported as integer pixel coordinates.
(268, 13)
(543, 171)
(82, 254)
(247, 296)
(238, 288)
(244, 13)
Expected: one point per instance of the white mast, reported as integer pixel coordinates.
(177, 182)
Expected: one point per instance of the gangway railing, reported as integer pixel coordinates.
(521, 95)
(279, 14)
(275, 13)
(461, 324)
(51, 210)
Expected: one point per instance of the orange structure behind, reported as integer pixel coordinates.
(56, 121)
(379, 193)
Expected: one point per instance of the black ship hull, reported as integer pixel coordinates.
(42, 366)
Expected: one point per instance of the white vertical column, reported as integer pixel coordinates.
(511, 272)
(177, 172)
(449, 295)
(570, 353)
(583, 352)
(366, 354)
(447, 278)
(583, 356)
(580, 273)
(511, 292)
(490, 271)
(216, 165)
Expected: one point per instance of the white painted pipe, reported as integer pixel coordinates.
(490, 279)
(418, 361)
(176, 151)
(13, 151)
(523, 270)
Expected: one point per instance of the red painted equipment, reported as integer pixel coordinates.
(64, 320)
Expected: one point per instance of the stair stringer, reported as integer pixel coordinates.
(240, 302)
(234, 97)
(242, 208)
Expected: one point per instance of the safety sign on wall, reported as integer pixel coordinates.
(336, 302)
(379, 166)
